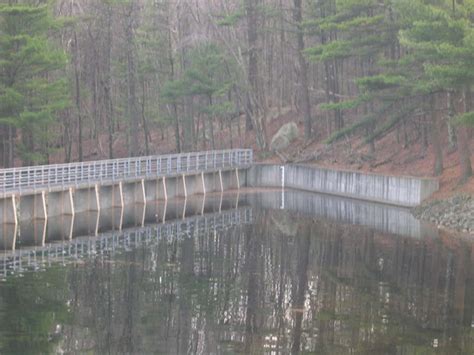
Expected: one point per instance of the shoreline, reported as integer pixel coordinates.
(455, 213)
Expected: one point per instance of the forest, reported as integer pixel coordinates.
(93, 79)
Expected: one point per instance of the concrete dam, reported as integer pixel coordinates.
(43, 193)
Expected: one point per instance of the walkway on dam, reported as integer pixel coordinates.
(31, 179)
(40, 192)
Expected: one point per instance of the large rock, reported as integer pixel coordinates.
(285, 135)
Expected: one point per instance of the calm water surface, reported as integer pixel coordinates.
(249, 274)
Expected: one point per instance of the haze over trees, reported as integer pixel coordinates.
(124, 76)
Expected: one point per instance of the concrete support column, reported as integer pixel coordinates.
(165, 191)
(8, 234)
(141, 193)
(87, 199)
(175, 187)
(237, 178)
(220, 181)
(184, 208)
(151, 190)
(8, 210)
(195, 185)
(211, 182)
(134, 193)
(230, 180)
(203, 184)
(111, 196)
(185, 190)
(33, 207)
(60, 203)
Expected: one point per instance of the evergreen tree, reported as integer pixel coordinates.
(31, 89)
(210, 77)
(441, 36)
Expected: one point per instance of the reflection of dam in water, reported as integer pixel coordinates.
(380, 217)
(59, 238)
(66, 238)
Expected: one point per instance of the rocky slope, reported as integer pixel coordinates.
(456, 212)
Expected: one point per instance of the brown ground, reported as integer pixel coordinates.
(390, 158)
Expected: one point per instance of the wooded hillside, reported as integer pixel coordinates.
(90, 79)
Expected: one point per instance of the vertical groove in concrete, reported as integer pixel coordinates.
(396, 190)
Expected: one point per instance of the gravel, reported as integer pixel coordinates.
(454, 213)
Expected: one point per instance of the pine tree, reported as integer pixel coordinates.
(441, 35)
(361, 32)
(31, 88)
(210, 77)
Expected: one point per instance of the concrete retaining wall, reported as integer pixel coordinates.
(380, 217)
(396, 190)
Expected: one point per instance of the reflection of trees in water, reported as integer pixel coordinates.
(24, 327)
(316, 287)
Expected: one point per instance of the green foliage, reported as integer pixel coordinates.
(347, 104)
(366, 121)
(333, 50)
(466, 119)
(231, 19)
(443, 41)
(380, 82)
(32, 90)
(211, 75)
(391, 123)
(351, 129)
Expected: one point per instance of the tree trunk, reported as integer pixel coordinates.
(146, 131)
(298, 17)
(252, 37)
(463, 136)
(132, 110)
(211, 126)
(438, 164)
(78, 96)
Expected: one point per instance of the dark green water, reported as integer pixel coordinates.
(264, 280)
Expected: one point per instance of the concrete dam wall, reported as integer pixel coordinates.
(395, 190)
(382, 218)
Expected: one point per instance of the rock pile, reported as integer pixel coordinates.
(454, 213)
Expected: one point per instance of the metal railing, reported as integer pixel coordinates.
(109, 243)
(76, 174)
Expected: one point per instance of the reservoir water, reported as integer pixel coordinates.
(254, 273)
